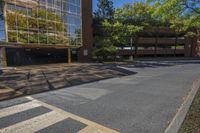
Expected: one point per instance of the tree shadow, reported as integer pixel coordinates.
(32, 81)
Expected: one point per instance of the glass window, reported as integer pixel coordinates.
(45, 22)
(2, 30)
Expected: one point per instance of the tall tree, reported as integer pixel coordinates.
(116, 34)
(105, 9)
(119, 32)
(137, 13)
(182, 14)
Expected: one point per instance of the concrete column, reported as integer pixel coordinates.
(69, 55)
(3, 59)
(191, 47)
(5, 21)
(187, 47)
(131, 57)
(197, 48)
(85, 52)
(132, 52)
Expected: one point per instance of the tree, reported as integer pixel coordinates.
(104, 47)
(105, 9)
(176, 6)
(183, 15)
(116, 34)
(138, 13)
(119, 32)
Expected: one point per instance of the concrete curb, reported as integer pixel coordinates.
(178, 119)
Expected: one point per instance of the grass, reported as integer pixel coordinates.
(191, 123)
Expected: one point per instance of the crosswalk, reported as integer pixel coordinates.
(18, 108)
(45, 120)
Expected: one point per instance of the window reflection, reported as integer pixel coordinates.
(2, 30)
(44, 22)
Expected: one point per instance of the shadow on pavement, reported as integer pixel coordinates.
(35, 79)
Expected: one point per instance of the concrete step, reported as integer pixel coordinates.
(7, 93)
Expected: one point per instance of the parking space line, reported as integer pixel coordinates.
(17, 108)
(90, 129)
(35, 124)
(92, 125)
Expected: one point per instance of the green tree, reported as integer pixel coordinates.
(138, 13)
(183, 15)
(127, 23)
(105, 9)
(119, 32)
(104, 47)
(116, 34)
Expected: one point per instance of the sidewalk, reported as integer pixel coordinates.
(35, 79)
(145, 102)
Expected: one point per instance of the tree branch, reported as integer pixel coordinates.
(191, 8)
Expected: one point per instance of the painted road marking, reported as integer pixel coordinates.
(90, 129)
(18, 108)
(91, 125)
(35, 124)
(45, 120)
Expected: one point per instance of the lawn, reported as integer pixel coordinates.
(191, 123)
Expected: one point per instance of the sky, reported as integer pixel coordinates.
(117, 3)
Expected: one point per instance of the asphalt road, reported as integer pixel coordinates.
(141, 103)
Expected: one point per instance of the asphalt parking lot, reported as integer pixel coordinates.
(35, 79)
(144, 102)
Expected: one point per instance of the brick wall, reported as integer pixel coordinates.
(85, 52)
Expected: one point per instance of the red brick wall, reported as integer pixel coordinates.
(85, 52)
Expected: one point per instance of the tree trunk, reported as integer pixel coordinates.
(136, 46)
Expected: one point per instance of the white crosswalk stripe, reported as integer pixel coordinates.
(18, 108)
(35, 124)
(43, 121)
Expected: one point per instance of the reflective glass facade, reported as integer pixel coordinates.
(2, 26)
(45, 22)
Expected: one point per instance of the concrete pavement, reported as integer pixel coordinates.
(140, 103)
(29, 80)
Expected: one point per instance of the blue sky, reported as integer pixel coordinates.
(117, 3)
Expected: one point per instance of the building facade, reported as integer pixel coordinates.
(154, 42)
(162, 42)
(44, 26)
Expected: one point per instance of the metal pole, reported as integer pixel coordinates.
(5, 21)
(69, 55)
(131, 57)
